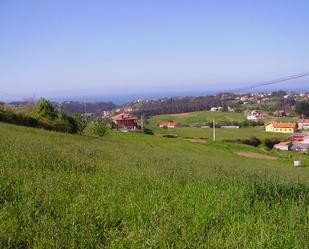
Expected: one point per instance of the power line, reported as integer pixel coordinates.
(271, 82)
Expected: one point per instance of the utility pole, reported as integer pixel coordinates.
(213, 130)
(142, 122)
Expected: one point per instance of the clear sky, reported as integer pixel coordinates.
(78, 48)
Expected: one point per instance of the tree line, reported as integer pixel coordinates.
(179, 105)
(44, 115)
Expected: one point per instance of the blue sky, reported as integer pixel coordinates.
(78, 48)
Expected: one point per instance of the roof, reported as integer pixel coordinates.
(297, 137)
(168, 123)
(284, 125)
(123, 116)
(282, 144)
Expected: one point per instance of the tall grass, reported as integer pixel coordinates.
(138, 191)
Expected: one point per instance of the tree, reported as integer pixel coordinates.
(302, 108)
(80, 121)
(45, 109)
(100, 127)
(224, 106)
(270, 142)
(62, 114)
(278, 93)
(253, 141)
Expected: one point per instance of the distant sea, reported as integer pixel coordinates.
(124, 98)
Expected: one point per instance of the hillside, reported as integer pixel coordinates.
(197, 118)
(188, 121)
(138, 191)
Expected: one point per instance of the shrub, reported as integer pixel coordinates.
(45, 109)
(252, 141)
(270, 142)
(148, 131)
(81, 122)
(100, 127)
(68, 125)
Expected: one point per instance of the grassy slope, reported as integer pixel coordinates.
(221, 133)
(132, 190)
(193, 118)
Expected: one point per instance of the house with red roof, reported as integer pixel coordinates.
(281, 127)
(168, 124)
(125, 121)
(283, 146)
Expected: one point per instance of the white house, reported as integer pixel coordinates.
(256, 115)
(303, 124)
(283, 146)
(215, 109)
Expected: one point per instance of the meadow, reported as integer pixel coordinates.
(189, 120)
(221, 133)
(197, 118)
(130, 190)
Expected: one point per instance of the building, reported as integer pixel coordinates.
(303, 124)
(256, 115)
(230, 126)
(125, 121)
(281, 127)
(301, 146)
(283, 146)
(168, 124)
(215, 109)
(297, 137)
(230, 109)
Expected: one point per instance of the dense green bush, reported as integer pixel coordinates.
(270, 142)
(252, 141)
(45, 109)
(81, 122)
(148, 131)
(68, 125)
(302, 108)
(245, 123)
(100, 127)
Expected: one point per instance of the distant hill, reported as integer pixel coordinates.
(178, 105)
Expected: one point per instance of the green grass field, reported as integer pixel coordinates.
(132, 190)
(196, 118)
(193, 118)
(221, 133)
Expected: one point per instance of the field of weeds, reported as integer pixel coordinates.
(140, 191)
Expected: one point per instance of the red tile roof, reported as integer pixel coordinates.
(123, 116)
(284, 125)
(283, 144)
(168, 124)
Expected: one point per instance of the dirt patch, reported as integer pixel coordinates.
(184, 114)
(169, 135)
(197, 139)
(255, 155)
